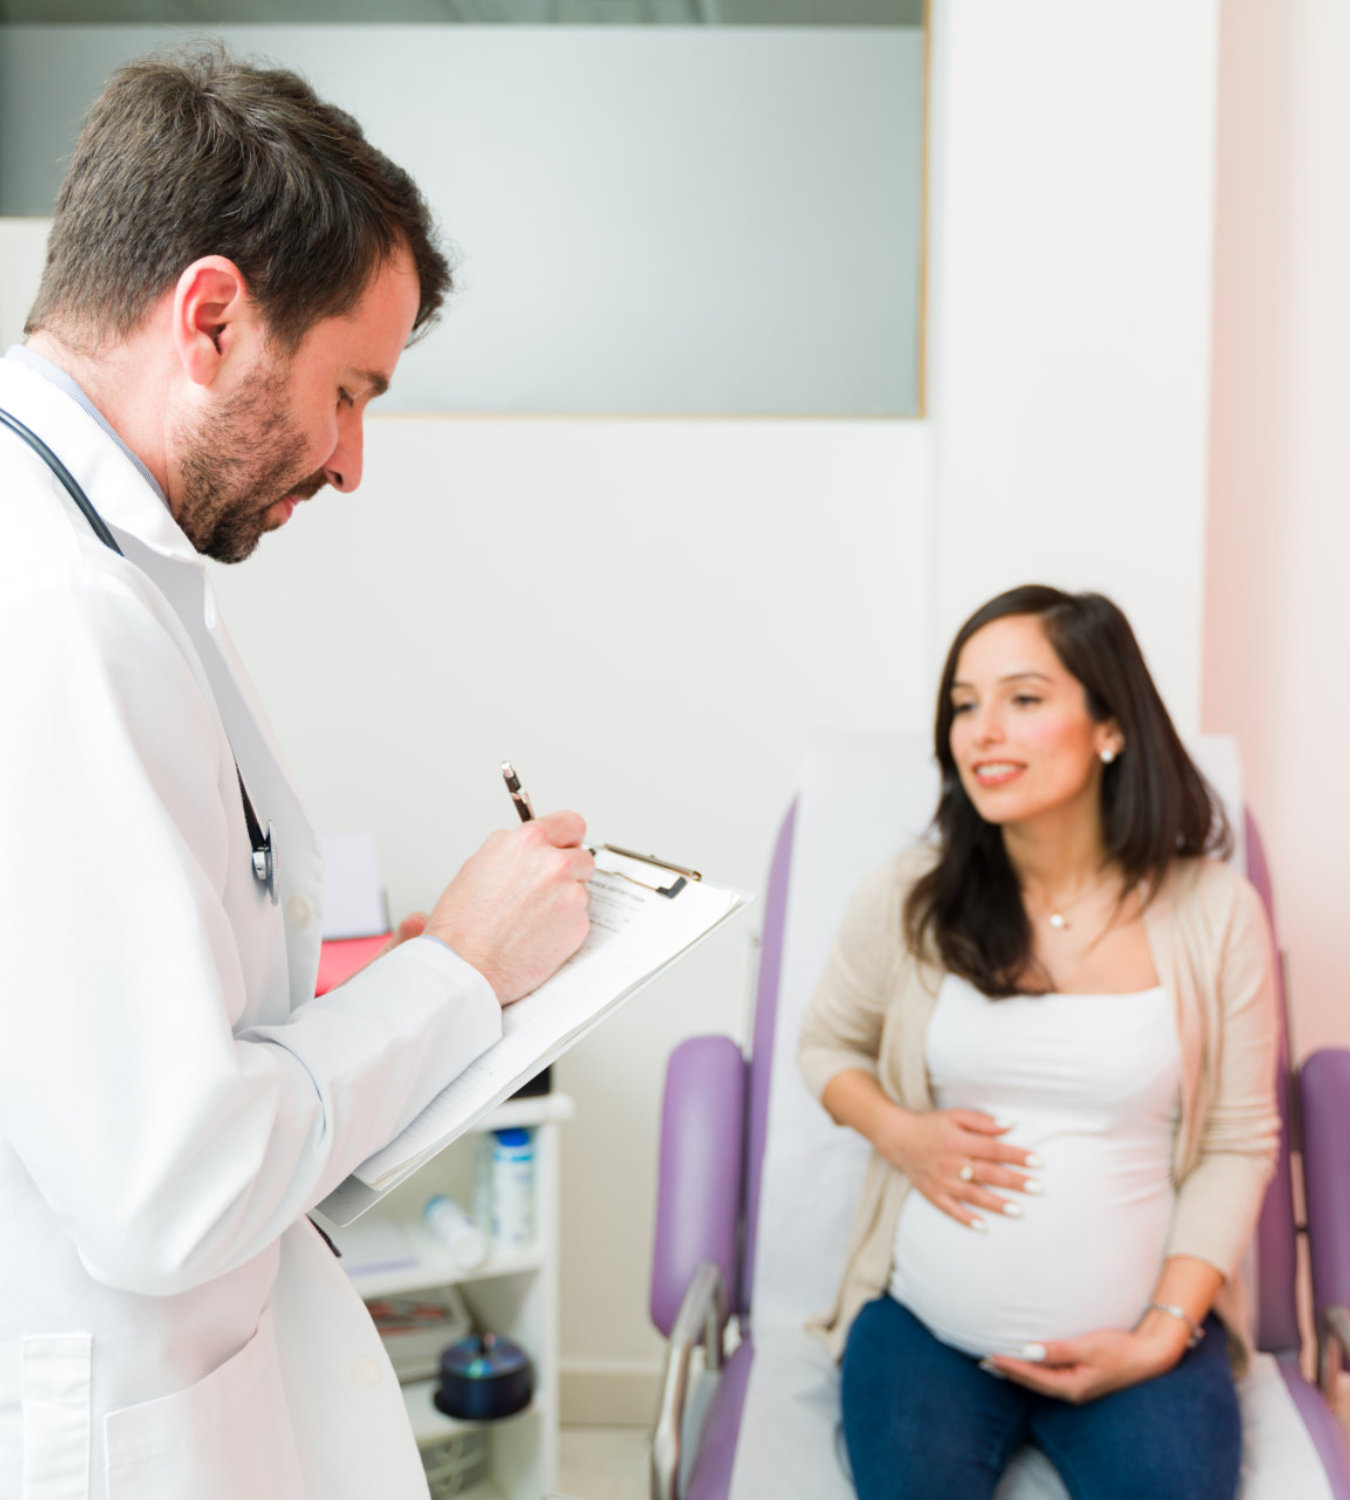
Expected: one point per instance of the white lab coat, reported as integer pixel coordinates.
(172, 1097)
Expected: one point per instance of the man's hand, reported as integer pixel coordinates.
(517, 910)
(1079, 1370)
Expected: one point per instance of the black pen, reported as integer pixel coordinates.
(518, 793)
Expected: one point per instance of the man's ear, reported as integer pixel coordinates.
(214, 317)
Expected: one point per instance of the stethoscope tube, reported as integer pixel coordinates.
(65, 476)
(264, 860)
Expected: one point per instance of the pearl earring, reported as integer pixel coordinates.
(1107, 756)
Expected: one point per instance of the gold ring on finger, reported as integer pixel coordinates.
(967, 1173)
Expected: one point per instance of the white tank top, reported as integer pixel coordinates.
(1092, 1084)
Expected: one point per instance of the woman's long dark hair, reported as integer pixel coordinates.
(1156, 807)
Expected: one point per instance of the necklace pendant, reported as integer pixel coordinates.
(1058, 921)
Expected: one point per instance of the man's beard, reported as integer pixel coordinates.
(237, 463)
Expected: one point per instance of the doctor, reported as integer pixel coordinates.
(231, 277)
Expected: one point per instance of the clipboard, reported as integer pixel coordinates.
(646, 913)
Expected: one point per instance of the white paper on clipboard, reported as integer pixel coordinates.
(640, 925)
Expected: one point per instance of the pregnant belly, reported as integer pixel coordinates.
(1084, 1256)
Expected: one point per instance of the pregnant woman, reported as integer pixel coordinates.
(1055, 1025)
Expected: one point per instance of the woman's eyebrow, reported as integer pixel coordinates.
(1011, 677)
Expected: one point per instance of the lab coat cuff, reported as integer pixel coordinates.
(481, 1014)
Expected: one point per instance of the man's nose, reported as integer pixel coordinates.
(343, 469)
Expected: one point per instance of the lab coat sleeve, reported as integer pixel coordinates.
(175, 1142)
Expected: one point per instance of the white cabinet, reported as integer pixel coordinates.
(390, 1252)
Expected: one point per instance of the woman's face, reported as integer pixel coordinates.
(1022, 738)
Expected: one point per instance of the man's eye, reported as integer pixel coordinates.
(345, 398)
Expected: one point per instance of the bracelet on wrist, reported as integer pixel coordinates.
(1196, 1332)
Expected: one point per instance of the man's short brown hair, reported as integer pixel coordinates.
(194, 153)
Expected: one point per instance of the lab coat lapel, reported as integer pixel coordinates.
(153, 541)
(300, 876)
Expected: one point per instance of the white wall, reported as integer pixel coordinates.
(1071, 254)
(650, 219)
(1279, 522)
(23, 244)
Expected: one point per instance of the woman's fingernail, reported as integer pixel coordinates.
(1003, 1122)
(1034, 1161)
(1033, 1353)
(1012, 1210)
(990, 1368)
(1032, 1186)
(978, 1224)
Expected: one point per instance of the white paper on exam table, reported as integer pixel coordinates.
(636, 933)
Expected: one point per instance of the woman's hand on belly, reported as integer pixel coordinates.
(1079, 1370)
(954, 1157)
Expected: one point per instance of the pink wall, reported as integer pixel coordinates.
(1275, 639)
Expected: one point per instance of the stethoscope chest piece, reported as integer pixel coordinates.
(265, 864)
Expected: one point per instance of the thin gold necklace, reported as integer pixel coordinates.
(1056, 917)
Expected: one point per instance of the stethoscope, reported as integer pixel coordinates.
(264, 858)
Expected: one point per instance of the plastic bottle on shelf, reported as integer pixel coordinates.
(512, 1178)
(482, 1183)
(465, 1243)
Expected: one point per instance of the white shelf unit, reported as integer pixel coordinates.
(513, 1293)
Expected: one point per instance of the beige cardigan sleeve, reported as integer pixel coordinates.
(1220, 1197)
(843, 1024)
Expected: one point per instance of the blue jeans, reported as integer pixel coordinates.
(922, 1420)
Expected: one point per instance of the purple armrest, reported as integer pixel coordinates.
(702, 1154)
(1324, 1088)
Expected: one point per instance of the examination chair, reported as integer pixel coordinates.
(757, 1189)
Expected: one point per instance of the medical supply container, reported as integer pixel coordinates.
(464, 1241)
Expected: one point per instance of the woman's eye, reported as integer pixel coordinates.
(961, 708)
(1026, 700)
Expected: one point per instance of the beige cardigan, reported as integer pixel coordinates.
(1211, 947)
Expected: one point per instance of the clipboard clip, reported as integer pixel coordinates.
(672, 890)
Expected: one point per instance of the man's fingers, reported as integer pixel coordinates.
(563, 829)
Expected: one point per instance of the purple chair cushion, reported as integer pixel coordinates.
(702, 1150)
(1277, 1329)
(1324, 1087)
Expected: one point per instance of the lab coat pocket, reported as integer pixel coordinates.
(226, 1437)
